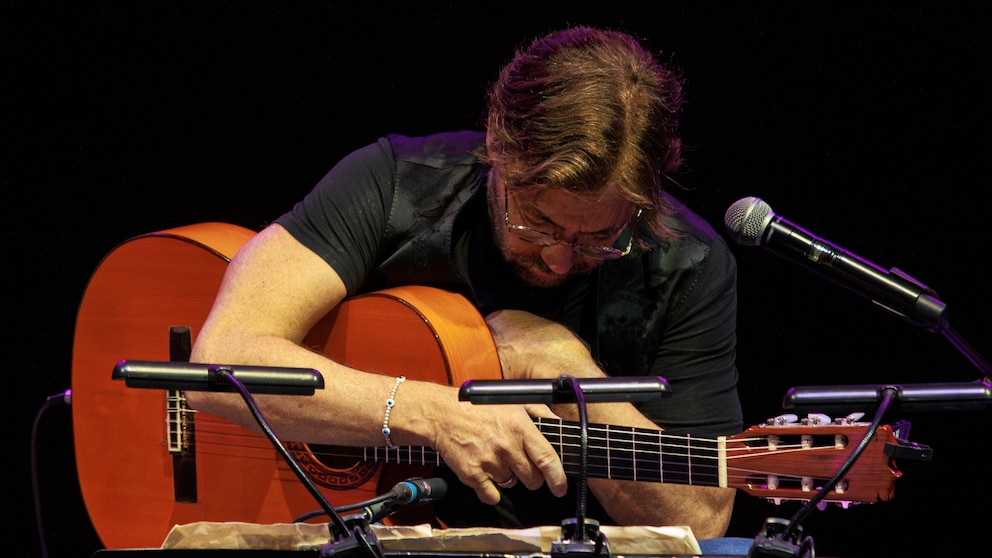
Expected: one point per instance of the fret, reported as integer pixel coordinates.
(649, 459)
(677, 460)
(423, 455)
(618, 454)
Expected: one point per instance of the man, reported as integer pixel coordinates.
(555, 223)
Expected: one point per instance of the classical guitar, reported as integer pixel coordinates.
(146, 462)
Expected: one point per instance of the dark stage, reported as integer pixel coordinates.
(865, 124)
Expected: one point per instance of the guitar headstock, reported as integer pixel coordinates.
(788, 458)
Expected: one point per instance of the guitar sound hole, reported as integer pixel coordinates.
(334, 457)
(335, 467)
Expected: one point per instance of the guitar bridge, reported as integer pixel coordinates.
(179, 419)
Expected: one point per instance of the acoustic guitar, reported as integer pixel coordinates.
(146, 462)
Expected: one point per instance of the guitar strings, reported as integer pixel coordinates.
(622, 453)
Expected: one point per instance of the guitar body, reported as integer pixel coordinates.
(151, 283)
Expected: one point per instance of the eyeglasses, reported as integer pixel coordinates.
(542, 238)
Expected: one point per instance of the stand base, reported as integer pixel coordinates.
(580, 541)
(770, 543)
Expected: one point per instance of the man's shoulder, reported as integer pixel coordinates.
(441, 149)
(687, 222)
(698, 246)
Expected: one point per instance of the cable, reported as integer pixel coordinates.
(888, 396)
(342, 509)
(59, 398)
(264, 424)
(780, 538)
(346, 539)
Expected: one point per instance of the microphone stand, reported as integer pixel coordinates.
(580, 535)
(751, 222)
(349, 538)
(945, 329)
(780, 538)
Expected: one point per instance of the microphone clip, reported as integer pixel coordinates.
(581, 540)
(358, 542)
(772, 542)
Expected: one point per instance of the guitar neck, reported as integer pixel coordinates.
(636, 454)
(612, 452)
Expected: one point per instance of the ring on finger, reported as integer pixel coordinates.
(508, 482)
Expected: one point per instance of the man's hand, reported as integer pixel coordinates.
(493, 446)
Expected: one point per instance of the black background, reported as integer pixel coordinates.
(866, 124)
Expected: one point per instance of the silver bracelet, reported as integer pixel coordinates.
(389, 408)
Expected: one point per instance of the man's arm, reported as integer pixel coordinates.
(272, 294)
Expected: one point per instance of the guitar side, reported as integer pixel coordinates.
(152, 282)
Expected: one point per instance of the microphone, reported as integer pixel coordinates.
(419, 491)
(409, 492)
(751, 222)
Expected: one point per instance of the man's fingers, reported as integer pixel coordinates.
(545, 465)
(485, 488)
(541, 411)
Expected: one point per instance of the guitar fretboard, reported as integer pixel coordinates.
(613, 452)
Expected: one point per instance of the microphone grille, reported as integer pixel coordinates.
(747, 219)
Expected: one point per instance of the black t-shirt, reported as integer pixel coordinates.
(412, 211)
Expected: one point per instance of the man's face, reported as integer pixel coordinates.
(567, 218)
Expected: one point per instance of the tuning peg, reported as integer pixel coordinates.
(787, 418)
(852, 418)
(818, 419)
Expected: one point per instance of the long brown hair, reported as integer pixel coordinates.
(586, 109)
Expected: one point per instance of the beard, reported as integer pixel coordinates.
(529, 266)
(532, 270)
